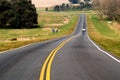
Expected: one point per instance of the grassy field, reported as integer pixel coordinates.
(104, 34)
(64, 21)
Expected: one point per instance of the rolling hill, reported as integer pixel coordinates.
(48, 3)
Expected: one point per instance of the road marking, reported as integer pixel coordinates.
(103, 50)
(16, 48)
(100, 48)
(48, 62)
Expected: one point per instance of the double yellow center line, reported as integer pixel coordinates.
(46, 68)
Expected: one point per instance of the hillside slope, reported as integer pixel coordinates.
(48, 3)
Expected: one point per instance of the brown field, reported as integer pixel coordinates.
(48, 3)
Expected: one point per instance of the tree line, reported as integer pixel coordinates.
(73, 6)
(109, 8)
(17, 14)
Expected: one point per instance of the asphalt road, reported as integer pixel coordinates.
(73, 57)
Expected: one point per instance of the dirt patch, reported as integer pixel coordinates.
(46, 29)
(115, 26)
(24, 39)
(18, 39)
(53, 25)
(66, 20)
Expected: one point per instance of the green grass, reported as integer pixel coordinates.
(45, 19)
(103, 35)
(17, 33)
(102, 27)
(51, 17)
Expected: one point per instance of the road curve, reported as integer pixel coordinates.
(72, 57)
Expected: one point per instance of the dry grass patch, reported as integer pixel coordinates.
(13, 38)
(115, 26)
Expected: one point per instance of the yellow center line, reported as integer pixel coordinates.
(49, 61)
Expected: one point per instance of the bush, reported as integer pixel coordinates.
(18, 14)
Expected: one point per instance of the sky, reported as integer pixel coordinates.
(48, 3)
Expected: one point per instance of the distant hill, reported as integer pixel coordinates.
(48, 3)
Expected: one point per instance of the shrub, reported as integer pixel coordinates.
(18, 14)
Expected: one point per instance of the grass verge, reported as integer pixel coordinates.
(38, 34)
(103, 35)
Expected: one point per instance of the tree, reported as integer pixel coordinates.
(101, 7)
(63, 7)
(88, 5)
(82, 5)
(46, 9)
(67, 6)
(57, 8)
(18, 14)
(4, 7)
(113, 9)
(110, 8)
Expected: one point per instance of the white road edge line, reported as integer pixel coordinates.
(103, 51)
(100, 48)
(16, 48)
(27, 45)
